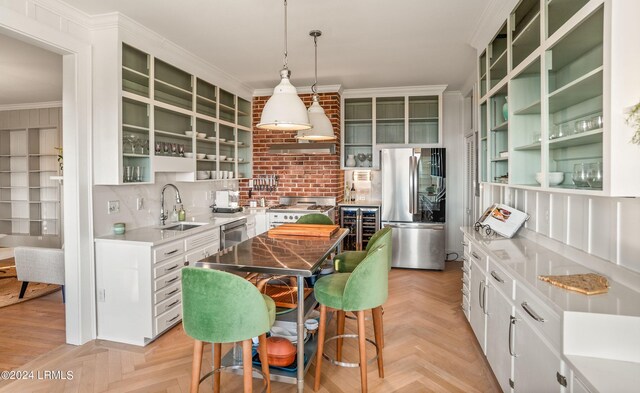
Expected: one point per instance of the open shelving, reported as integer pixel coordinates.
(559, 105)
(498, 57)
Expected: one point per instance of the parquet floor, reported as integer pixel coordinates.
(429, 347)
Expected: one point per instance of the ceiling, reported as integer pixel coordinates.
(29, 74)
(365, 43)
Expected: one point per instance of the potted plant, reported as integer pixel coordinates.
(633, 119)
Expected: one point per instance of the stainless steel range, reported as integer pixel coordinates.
(290, 209)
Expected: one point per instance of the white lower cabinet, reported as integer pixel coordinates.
(499, 344)
(536, 365)
(139, 287)
(478, 304)
(261, 223)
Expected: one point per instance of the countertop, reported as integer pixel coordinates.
(155, 235)
(527, 259)
(362, 203)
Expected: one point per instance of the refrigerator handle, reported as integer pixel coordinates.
(414, 188)
(411, 184)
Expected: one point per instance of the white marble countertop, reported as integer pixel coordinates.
(363, 203)
(155, 235)
(606, 375)
(527, 259)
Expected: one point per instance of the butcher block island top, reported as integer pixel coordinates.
(290, 255)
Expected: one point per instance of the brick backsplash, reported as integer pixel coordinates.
(299, 175)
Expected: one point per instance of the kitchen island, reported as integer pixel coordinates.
(292, 256)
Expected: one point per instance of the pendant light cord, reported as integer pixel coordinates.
(314, 88)
(285, 34)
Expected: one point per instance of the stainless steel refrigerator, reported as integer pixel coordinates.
(413, 204)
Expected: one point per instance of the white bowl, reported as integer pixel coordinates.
(188, 133)
(240, 159)
(222, 139)
(240, 143)
(229, 158)
(555, 178)
(201, 135)
(188, 155)
(211, 156)
(222, 158)
(203, 175)
(200, 156)
(211, 138)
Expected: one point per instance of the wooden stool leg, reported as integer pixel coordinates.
(264, 361)
(363, 351)
(198, 347)
(217, 356)
(321, 333)
(340, 330)
(247, 366)
(381, 326)
(377, 330)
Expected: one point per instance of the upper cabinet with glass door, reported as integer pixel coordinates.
(377, 118)
(569, 80)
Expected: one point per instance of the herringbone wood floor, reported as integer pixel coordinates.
(429, 347)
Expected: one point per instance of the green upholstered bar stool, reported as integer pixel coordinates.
(346, 261)
(315, 218)
(219, 307)
(366, 288)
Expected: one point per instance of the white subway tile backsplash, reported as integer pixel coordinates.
(604, 227)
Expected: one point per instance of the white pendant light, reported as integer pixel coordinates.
(284, 110)
(322, 129)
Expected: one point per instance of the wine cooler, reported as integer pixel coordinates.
(362, 223)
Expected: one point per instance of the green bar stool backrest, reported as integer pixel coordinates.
(315, 218)
(377, 236)
(220, 307)
(368, 284)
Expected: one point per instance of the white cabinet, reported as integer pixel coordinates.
(373, 119)
(261, 223)
(139, 287)
(536, 364)
(152, 116)
(499, 336)
(478, 303)
(554, 85)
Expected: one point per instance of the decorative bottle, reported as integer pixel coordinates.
(352, 193)
(505, 109)
(182, 215)
(351, 161)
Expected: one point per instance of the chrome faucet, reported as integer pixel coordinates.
(163, 215)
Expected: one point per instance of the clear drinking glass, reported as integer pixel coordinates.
(582, 126)
(565, 129)
(580, 175)
(594, 176)
(158, 148)
(128, 174)
(596, 122)
(165, 148)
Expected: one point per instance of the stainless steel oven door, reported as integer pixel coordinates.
(233, 233)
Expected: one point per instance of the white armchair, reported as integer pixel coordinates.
(35, 264)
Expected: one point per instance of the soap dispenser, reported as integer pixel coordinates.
(182, 215)
(174, 215)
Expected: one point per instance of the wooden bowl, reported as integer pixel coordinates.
(280, 352)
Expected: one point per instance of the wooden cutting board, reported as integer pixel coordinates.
(309, 230)
(588, 284)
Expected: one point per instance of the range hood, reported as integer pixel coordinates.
(303, 148)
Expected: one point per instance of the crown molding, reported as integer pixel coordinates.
(66, 11)
(394, 91)
(493, 16)
(31, 105)
(301, 90)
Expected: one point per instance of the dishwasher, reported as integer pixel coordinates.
(233, 233)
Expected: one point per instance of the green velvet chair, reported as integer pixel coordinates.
(346, 261)
(219, 307)
(315, 218)
(366, 288)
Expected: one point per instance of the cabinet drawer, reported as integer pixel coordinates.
(465, 245)
(477, 256)
(202, 240)
(167, 267)
(194, 256)
(166, 293)
(540, 316)
(500, 279)
(167, 251)
(168, 304)
(168, 319)
(166, 280)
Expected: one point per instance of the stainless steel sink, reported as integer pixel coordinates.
(182, 227)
